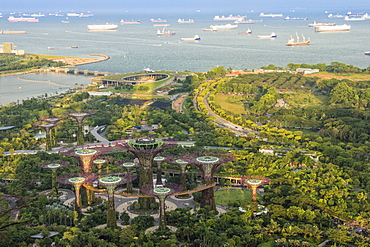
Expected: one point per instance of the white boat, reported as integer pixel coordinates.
(336, 28)
(22, 19)
(129, 22)
(223, 27)
(195, 38)
(292, 42)
(242, 21)
(103, 27)
(157, 20)
(272, 15)
(38, 15)
(271, 36)
(185, 21)
(229, 18)
(367, 52)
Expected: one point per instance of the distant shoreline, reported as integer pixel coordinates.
(71, 62)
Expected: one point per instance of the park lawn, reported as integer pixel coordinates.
(305, 100)
(225, 196)
(230, 103)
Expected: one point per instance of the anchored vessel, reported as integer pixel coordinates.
(316, 24)
(336, 28)
(22, 19)
(271, 36)
(185, 21)
(164, 33)
(291, 41)
(229, 18)
(129, 22)
(102, 27)
(223, 27)
(271, 15)
(158, 20)
(195, 38)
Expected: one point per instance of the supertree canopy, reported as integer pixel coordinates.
(129, 166)
(207, 162)
(79, 117)
(159, 160)
(254, 182)
(53, 166)
(77, 180)
(145, 149)
(101, 162)
(86, 156)
(111, 182)
(182, 164)
(52, 120)
(162, 192)
(48, 127)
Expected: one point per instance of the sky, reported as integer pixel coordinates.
(179, 5)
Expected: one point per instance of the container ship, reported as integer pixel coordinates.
(103, 27)
(336, 28)
(223, 27)
(22, 19)
(229, 18)
(12, 32)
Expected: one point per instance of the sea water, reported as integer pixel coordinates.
(135, 47)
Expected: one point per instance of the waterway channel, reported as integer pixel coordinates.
(16, 88)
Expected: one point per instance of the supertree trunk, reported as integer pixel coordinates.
(78, 199)
(183, 176)
(54, 184)
(80, 135)
(208, 196)
(159, 175)
(112, 218)
(162, 213)
(48, 140)
(146, 179)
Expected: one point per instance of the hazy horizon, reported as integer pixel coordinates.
(160, 6)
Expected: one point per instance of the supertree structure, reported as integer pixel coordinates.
(254, 182)
(159, 160)
(145, 149)
(54, 166)
(101, 162)
(111, 182)
(52, 120)
(77, 180)
(162, 192)
(79, 117)
(86, 156)
(129, 166)
(48, 127)
(182, 164)
(207, 162)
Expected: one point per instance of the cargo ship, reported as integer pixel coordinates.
(291, 41)
(316, 24)
(288, 18)
(242, 21)
(164, 33)
(104, 27)
(22, 19)
(229, 18)
(272, 15)
(185, 21)
(247, 32)
(336, 28)
(129, 22)
(367, 52)
(271, 36)
(195, 38)
(12, 32)
(223, 27)
(157, 20)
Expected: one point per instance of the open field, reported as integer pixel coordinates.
(352, 76)
(230, 103)
(225, 196)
